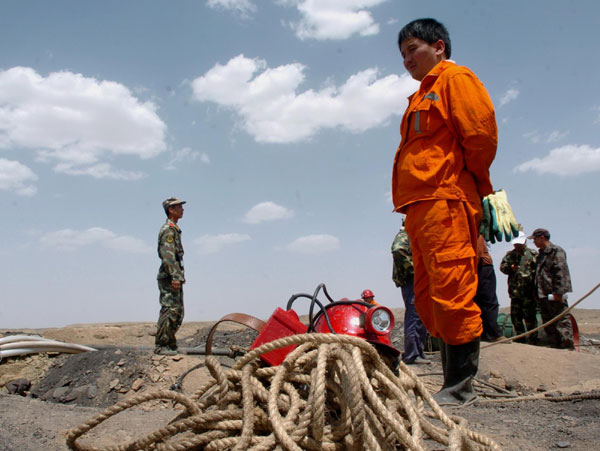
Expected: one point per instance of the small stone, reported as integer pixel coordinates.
(563, 444)
(59, 392)
(177, 358)
(113, 384)
(498, 381)
(512, 384)
(18, 386)
(92, 391)
(121, 362)
(64, 381)
(137, 384)
(542, 388)
(154, 377)
(71, 396)
(82, 389)
(46, 396)
(118, 352)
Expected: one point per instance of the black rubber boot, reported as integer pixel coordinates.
(460, 364)
(443, 353)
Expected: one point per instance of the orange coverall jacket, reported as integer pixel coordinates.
(441, 172)
(449, 140)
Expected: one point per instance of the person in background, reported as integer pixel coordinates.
(440, 174)
(486, 297)
(553, 282)
(368, 296)
(519, 264)
(171, 277)
(403, 276)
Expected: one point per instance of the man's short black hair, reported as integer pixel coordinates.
(429, 30)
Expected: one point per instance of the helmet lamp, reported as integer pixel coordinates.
(380, 320)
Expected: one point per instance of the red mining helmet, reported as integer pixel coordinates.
(373, 323)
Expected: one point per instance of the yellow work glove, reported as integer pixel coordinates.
(486, 226)
(504, 222)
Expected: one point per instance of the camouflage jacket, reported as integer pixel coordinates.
(403, 269)
(552, 272)
(170, 252)
(520, 267)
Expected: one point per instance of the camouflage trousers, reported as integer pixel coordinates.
(523, 315)
(560, 333)
(171, 315)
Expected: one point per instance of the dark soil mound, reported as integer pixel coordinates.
(221, 339)
(93, 378)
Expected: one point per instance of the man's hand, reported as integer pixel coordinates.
(176, 284)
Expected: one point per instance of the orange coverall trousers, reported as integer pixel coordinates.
(443, 236)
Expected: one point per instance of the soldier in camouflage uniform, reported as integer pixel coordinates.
(519, 265)
(553, 282)
(171, 278)
(402, 274)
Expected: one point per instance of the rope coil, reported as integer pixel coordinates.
(332, 392)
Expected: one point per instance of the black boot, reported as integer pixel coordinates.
(460, 364)
(443, 356)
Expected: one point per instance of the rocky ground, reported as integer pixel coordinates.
(68, 389)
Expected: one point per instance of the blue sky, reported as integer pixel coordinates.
(277, 121)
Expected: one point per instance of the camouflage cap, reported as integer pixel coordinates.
(171, 202)
(540, 232)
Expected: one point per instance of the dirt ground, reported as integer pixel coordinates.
(68, 389)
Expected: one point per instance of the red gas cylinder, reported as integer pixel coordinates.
(282, 323)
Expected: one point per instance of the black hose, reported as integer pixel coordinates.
(322, 286)
(311, 320)
(322, 309)
(177, 385)
(296, 296)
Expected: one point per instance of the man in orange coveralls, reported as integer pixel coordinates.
(441, 173)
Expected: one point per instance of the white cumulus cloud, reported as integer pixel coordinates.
(552, 137)
(314, 244)
(565, 161)
(77, 122)
(555, 136)
(17, 177)
(209, 244)
(186, 155)
(335, 19)
(509, 96)
(267, 211)
(99, 171)
(243, 7)
(319, 19)
(273, 110)
(69, 239)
